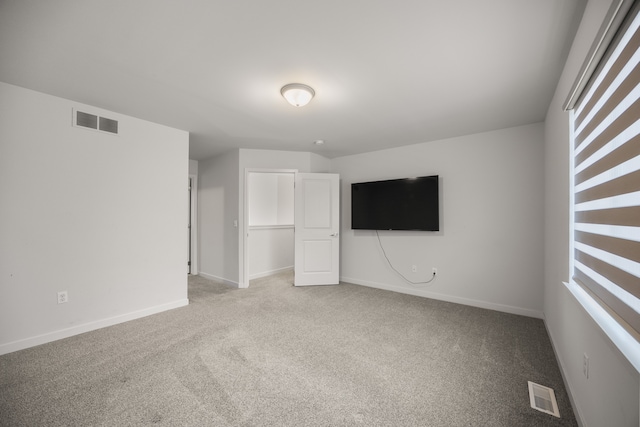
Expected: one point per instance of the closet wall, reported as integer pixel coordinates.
(270, 241)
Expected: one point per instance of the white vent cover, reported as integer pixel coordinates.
(543, 399)
(95, 122)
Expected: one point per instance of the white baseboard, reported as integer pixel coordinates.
(269, 273)
(87, 327)
(219, 279)
(565, 378)
(448, 298)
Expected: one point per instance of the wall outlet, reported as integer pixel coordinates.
(63, 297)
(585, 365)
(434, 271)
(414, 268)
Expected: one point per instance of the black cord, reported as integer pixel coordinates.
(433, 277)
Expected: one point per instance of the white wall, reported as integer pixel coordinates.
(193, 167)
(274, 159)
(489, 250)
(285, 199)
(218, 185)
(99, 216)
(611, 395)
(270, 250)
(319, 164)
(270, 199)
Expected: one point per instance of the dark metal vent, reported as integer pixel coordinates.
(108, 125)
(92, 121)
(86, 120)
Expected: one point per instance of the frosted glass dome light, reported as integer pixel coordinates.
(297, 94)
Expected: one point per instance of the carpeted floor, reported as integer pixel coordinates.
(275, 355)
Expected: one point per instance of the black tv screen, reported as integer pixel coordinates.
(397, 204)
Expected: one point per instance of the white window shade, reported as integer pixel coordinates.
(607, 178)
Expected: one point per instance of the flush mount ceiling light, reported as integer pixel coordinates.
(297, 94)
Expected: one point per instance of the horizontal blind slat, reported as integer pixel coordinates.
(619, 231)
(621, 154)
(629, 216)
(614, 100)
(624, 248)
(602, 273)
(621, 123)
(622, 185)
(619, 307)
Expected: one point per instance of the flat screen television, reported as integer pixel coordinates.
(396, 204)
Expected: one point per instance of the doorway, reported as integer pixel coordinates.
(192, 226)
(269, 222)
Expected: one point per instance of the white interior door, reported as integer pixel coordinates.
(317, 226)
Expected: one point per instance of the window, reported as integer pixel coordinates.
(606, 173)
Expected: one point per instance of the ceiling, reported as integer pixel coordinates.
(385, 73)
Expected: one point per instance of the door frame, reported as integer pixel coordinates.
(194, 224)
(244, 279)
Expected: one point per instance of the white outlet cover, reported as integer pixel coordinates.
(63, 297)
(585, 365)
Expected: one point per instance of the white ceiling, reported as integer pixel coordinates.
(385, 73)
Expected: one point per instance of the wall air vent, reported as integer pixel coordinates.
(86, 120)
(95, 122)
(108, 125)
(543, 399)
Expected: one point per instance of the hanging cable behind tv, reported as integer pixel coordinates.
(433, 275)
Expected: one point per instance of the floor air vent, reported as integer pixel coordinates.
(92, 121)
(543, 399)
